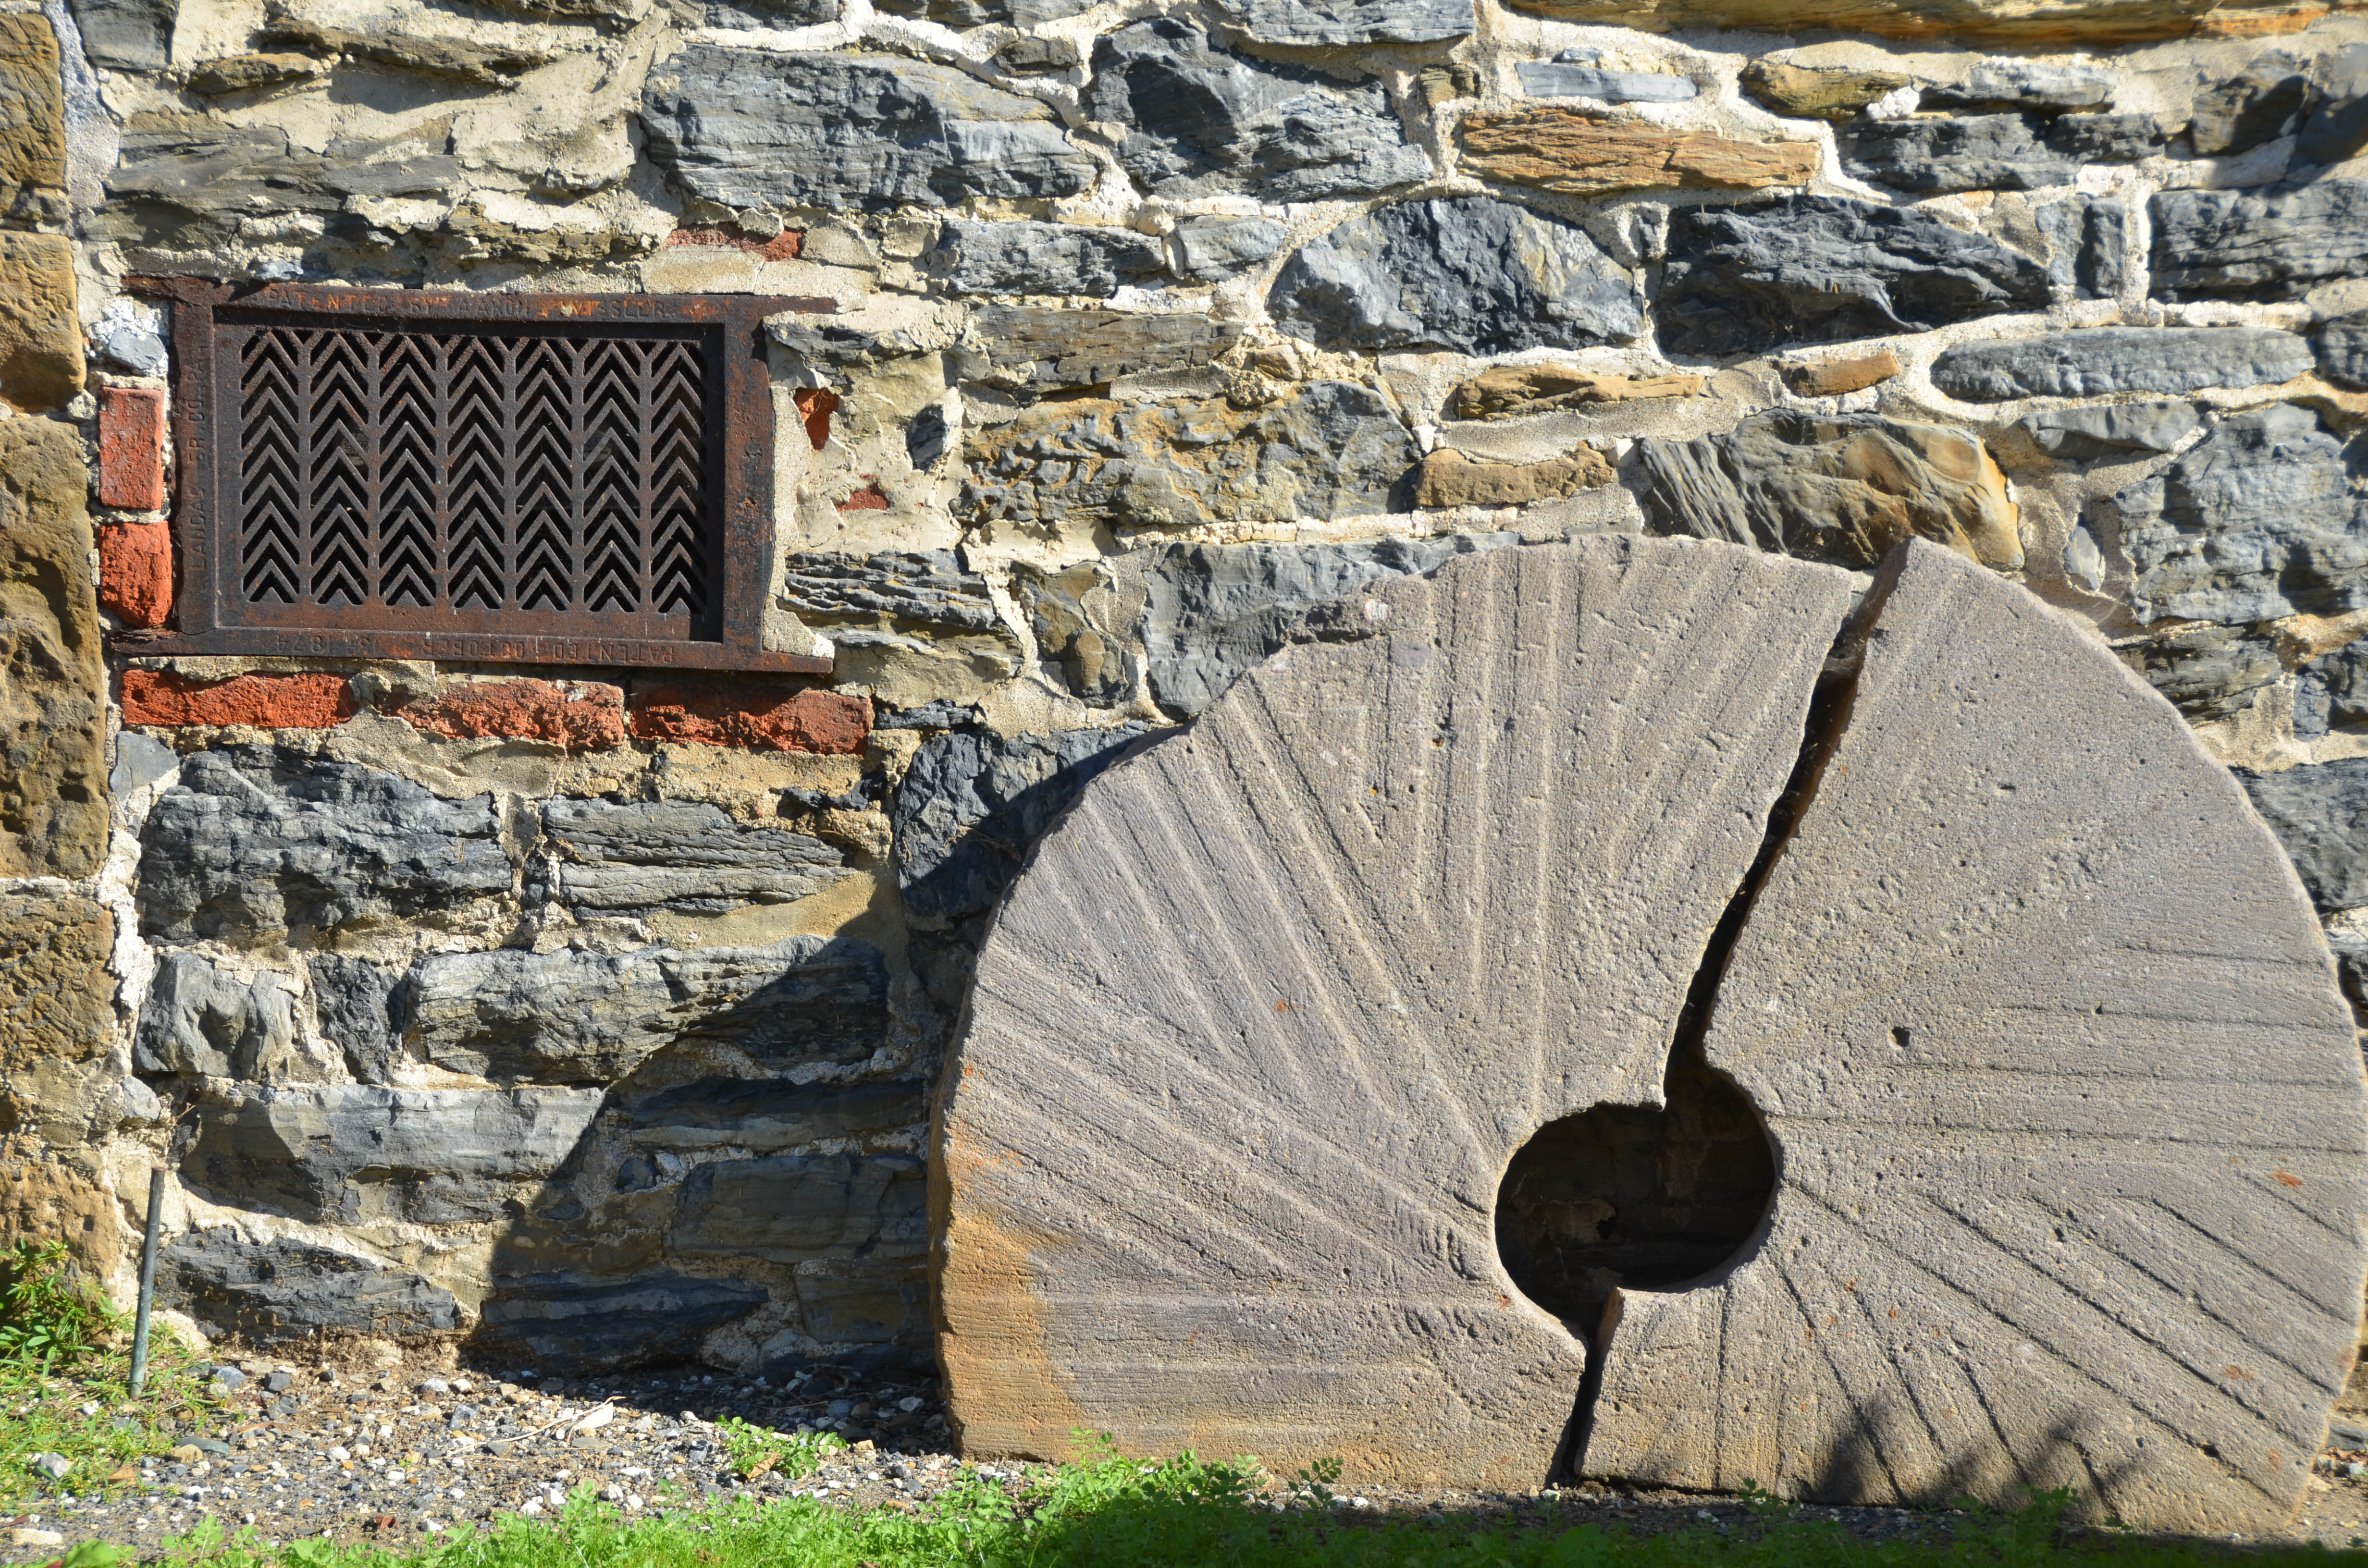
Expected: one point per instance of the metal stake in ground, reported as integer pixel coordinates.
(147, 1281)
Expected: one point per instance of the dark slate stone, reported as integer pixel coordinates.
(582, 1017)
(929, 437)
(2257, 520)
(126, 34)
(2331, 692)
(2343, 349)
(2210, 672)
(267, 1291)
(2022, 85)
(2113, 432)
(1930, 157)
(794, 1209)
(2112, 138)
(2099, 361)
(770, 14)
(943, 714)
(2267, 101)
(973, 803)
(1563, 79)
(2351, 952)
(1038, 349)
(201, 1021)
(923, 591)
(252, 841)
(2087, 244)
(956, 14)
(1211, 250)
(2264, 245)
(1471, 273)
(2321, 814)
(1200, 121)
(352, 1153)
(1801, 269)
(874, 1318)
(580, 1323)
(2337, 130)
(1315, 22)
(1215, 612)
(689, 855)
(747, 128)
(353, 999)
(1028, 257)
(767, 1114)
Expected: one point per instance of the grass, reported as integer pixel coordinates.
(65, 1362)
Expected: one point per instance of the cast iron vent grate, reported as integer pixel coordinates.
(555, 479)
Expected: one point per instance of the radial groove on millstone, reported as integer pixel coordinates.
(2070, 1113)
(1259, 1030)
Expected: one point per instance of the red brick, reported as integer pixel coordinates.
(577, 715)
(870, 498)
(135, 572)
(782, 246)
(263, 702)
(815, 405)
(809, 721)
(131, 448)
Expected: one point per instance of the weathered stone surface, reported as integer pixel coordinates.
(1301, 926)
(1835, 378)
(1569, 79)
(914, 604)
(744, 127)
(1508, 392)
(2337, 129)
(1037, 349)
(581, 1323)
(1309, 22)
(1470, 273)
(797, 1207)
(2207, 672)
(1044, 258)
(2331, 694)
(2082, 23)
(1079, 618)
(1211, 250)
(286, 1289)
(1844, 489)
(2117, 431)
(46, 1199)
(182, 181)
(2112, 138)
(616, 857)
(1577, 153)
(2089, 245)
(126, 34)
(41, 341)
(245, 73)
(57, 1011)
(353, 999)
(2260, 520)
(1989, 152)
(584, 1018)
(2268, 99)
(1448, 478)
(1817, 92)
(1215, 612)
(199, 1021)
(32, 116)
(1324, 449)
(354, 1153)
(973, 803)
(767, 1114)
(2105, 360)
(1823, 270)
(2268, 245)
(1200, 121)
(389, 42)
(53, 718)
(251, 842)
(2321, 814)
(2025, 84)
(2343, 349)
(1958, 1168)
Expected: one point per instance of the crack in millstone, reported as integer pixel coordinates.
(1828, 716)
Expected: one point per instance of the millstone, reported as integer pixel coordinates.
(2035, 1014)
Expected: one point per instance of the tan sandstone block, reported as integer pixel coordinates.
(1578, 153)
(1832, 378)
(57, 1013)
(1817, 92)
(52, 736)
(1448, 478)
(41, 341)
(1505, 392)
(32, 108)
(46, 1201)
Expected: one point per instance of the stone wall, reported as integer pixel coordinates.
(585, 1016)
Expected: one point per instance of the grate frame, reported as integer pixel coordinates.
(214, 614)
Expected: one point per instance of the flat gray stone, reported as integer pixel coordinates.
(2257, 520)
(1844, 489)
(1316, 22)
(2112, 138)
(1471, 273)
(2104, 360)
(2268, 244)
(1038, 349)
(797, 1208)
(1215, 612)
(201, 1021)
(2320, 813)
(1026, 257)
(138, 762)
(2207, 672)
(2337, 130)
(354, 1153)
(2087, 246)
(126, 34)
(2331, 692)
(1201, 121)
(1930, 158)
(353, 999)
(747, 128)
(1801, 269)
(2343, 349)
(253, 842)
(687, 855)
(2268, 99)
(2113, 432)
(287, 1289)
(974, 802)
(579, 1322)
(771, 1114)
(1210, 250)
(2023, 85)
(1325, 1021)
(1556, 79)
(2104, 1140)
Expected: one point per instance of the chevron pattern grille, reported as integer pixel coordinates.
(549, 479)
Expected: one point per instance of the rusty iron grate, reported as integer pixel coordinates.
(551, 479)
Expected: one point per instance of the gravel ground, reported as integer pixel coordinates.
(401, 1453)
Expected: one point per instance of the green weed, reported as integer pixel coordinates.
(754, 1450)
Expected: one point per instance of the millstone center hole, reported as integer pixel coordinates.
(1626, 1196)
